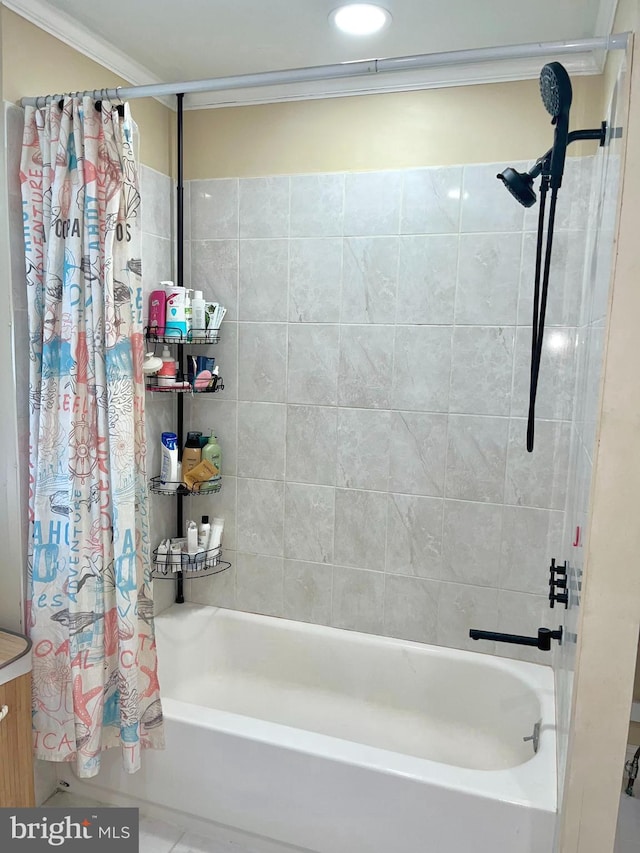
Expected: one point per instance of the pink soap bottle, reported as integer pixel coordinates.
(157, 311)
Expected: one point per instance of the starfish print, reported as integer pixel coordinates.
(81, 700)
(154, 684)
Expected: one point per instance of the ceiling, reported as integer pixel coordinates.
(165, 40)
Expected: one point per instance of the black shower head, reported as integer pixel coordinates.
(555, 89)
(520, 185)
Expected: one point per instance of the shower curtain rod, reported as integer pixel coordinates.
(348, 69)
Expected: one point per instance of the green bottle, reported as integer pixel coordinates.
(212, 453)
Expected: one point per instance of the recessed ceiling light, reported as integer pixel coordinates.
(360, 19)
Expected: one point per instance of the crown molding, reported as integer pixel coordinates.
(66, 29)
(500, 71)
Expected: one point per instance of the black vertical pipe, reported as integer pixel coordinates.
(180, 281)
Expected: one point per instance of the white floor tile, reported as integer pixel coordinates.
(191, 843)
(156, 836)
(628, 834)
(67, 800)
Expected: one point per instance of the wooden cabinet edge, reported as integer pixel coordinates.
(16, 750)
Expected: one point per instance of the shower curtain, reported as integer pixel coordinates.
(90, 610)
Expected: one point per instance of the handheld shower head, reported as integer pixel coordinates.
(556, 92)
(555, 89)
(520, 185)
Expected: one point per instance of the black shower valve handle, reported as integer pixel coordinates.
(558, 580)
(557, 570)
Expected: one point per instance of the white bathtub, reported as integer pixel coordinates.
(341, 742)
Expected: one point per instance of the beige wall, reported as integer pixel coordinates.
(469, 124)
(627, 20)
(36, 63)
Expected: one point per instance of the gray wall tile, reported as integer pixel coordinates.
(418, 450)
(427, 269)
(476, 458)
(372, 203)
(312, 370)
(309, 522)
(360, 528)
(262, 362)
(422, 365)
(317, 205)
(414, 536)
(261, 516)
(482, 370)
(431, 200)
(261, 440)
(259, 583)
(365, 370)
(307, 592)
(315, 280)
(214, 209)
(358, 600)
(471, 542)
(263, 280)
(369, 279)
(264, 207)
(311, 444)
(363, 449)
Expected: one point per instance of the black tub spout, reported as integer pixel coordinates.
(542, 641)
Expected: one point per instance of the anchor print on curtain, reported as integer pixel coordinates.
(90, 610)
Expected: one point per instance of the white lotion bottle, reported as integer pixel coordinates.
(204, 533)
(169, 465)
(215, 541)
(198, 314)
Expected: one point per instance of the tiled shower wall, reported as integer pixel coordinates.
(375, 356)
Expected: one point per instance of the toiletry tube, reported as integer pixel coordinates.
(169, 465)
(162, 556)
(210, 309)
(175, 559)
(192, 538)
(200, 474)
(218, 317)
(217, 529)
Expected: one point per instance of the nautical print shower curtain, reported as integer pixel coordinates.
(90, 611)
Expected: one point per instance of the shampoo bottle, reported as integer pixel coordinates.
(157, 312)
(212, 453)
(169, 467)
(176, 323)
(191, 455)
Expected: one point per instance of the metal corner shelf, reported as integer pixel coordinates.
(192, 568)
(152, 383)
(194, 336)
(180, 489)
